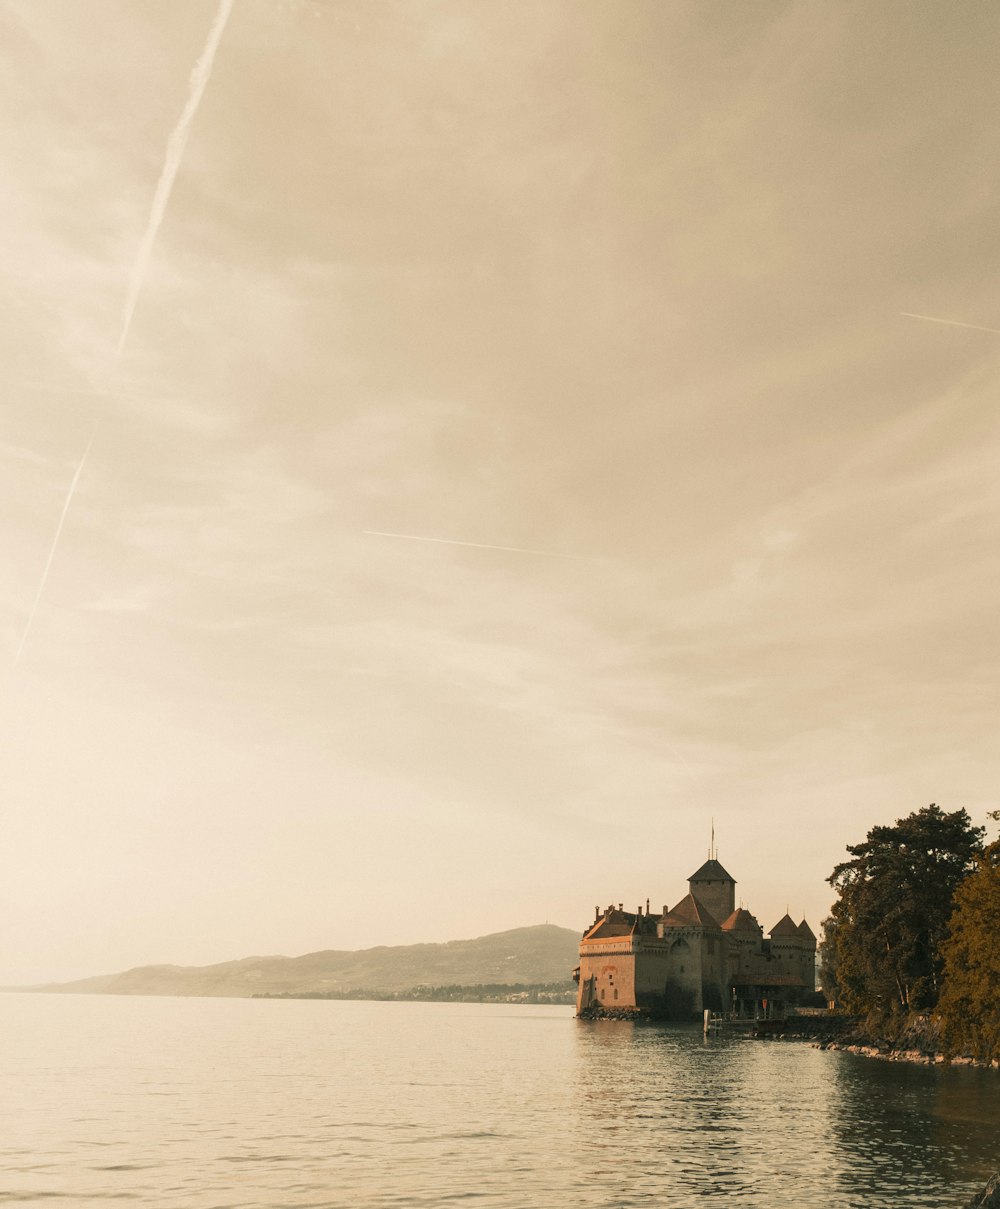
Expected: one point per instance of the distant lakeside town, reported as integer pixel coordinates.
(906, 961)
(544, 992)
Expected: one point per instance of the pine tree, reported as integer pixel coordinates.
(894, 902)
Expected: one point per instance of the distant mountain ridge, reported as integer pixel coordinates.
(543, 953)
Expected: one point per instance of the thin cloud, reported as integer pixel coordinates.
(447, 541)
(175, 151)
(951, 322)
(52, 550)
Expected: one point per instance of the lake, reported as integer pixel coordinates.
(243, 1103)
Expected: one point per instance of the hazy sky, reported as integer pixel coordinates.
(619, 282)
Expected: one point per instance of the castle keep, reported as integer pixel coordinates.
(703, 953)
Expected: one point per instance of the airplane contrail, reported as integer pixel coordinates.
(447, 541)
(52, 550)
(175, 150)
(200, 75)
(951, 322)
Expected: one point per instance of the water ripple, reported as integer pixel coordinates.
(236, 1104)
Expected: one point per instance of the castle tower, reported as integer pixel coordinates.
(713, 887)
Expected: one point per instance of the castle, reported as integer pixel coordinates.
(704, 953)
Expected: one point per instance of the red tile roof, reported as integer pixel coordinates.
(606, 930)
(689, 911)
(741, 921)
(785, 926)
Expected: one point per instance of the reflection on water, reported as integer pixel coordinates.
(906, 1124)
(241, 1103)
(779, 1122)
(726, 1117)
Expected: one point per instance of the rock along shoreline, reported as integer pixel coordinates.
(919, 1042)
(989, 1198)
(890, 1053)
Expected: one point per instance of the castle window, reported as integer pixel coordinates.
(616, 993)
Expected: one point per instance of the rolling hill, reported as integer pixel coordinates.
(540, 954)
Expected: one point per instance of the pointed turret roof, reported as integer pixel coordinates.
(786, 926)
(689, 911)
(741, 921)
(711, 871)
(806, 932)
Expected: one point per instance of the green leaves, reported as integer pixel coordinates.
(894, 902)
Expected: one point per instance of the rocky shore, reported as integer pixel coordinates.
(890, 1052)
(919, 1041)
(989, 1198)
(599, 1011)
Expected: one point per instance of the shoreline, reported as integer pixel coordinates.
(918, 1042)
(890, 1053)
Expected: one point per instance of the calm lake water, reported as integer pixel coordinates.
(221, 1102)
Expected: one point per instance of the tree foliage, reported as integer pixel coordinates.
(969, 1006)
(827, 953)
(894, 902)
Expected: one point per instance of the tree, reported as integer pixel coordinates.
(969, 1006)
(894, 902)
(828, 981)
